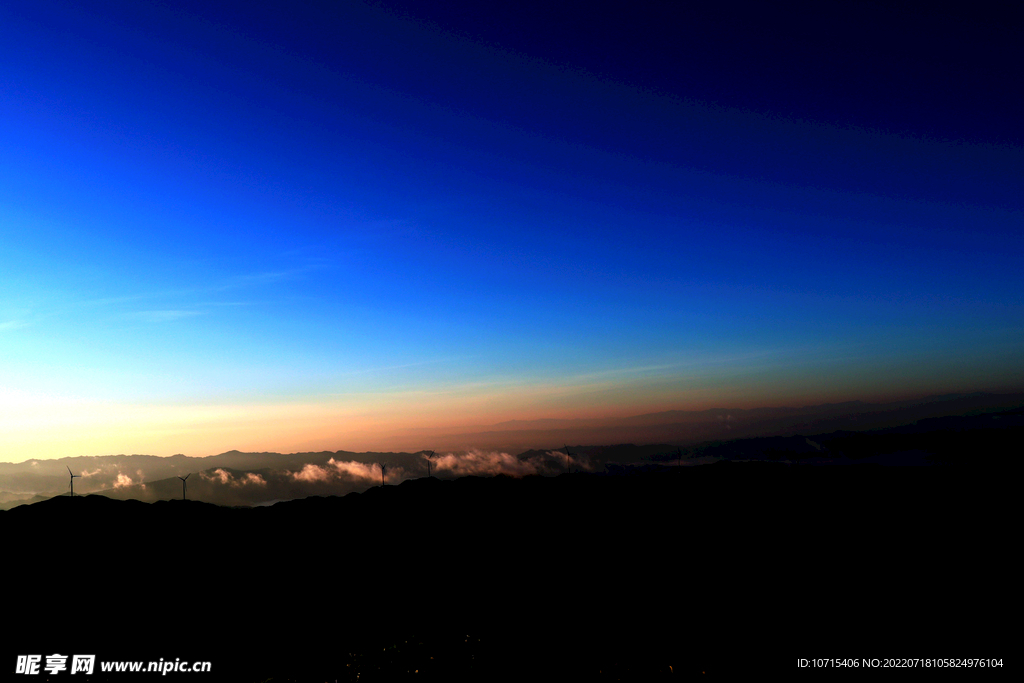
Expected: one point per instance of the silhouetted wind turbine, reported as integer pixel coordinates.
(183, 485)
(429, 456)
(383, 468)
(73, 477)
(567, 471)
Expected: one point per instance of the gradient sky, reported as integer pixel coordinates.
(281, 228)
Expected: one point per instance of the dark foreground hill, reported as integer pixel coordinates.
(644, 575)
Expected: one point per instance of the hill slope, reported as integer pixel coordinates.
(717, 567)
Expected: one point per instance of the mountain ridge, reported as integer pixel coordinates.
(479, 577)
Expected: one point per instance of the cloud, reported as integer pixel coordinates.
(13, 325)
(489, 463)
(351, 469)
(366, 472)
(122, 481)
(267, 277)
(483, 463)
(166, 316)
(225, 478)
(311, 473)
(91, 474)
(347, 472)
(218, 475)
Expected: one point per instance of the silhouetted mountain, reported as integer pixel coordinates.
(987, 440)
(705, 568)
(236, 478)
(147, 477)
(690, 427)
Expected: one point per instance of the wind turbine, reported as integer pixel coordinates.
(183, 485)
(383, 468)
(431, 455)
(73, 477)
(567, 460)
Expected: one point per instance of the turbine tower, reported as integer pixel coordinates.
(73, 477)
(183, 485)
(429, 456)
(383, 468)
(567, 454)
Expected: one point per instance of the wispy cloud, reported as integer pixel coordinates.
(188, 301)
(166, 315)
(13, 324)
(402, 366)
(269, 276)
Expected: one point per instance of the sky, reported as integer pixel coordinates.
(269, 227)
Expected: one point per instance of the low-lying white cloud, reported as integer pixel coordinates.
(489, 463)
(484, 463)
(355, 470)
(223, 477)
(219, 475)
(311, 473)
(348, 472)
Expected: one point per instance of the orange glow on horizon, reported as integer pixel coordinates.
(42, 427)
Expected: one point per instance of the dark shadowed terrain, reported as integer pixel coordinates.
(653, 572)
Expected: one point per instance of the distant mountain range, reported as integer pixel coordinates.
(685, 437)
(684, 427)
(660, 573)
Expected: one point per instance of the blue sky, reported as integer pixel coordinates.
(380, 215)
